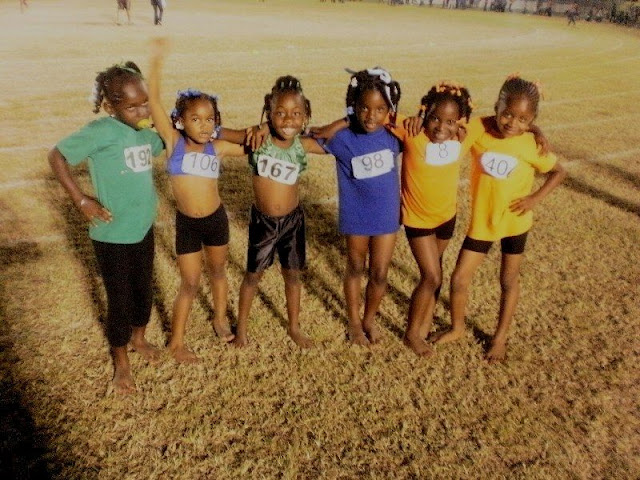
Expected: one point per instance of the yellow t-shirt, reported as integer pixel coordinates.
(502, 170)
(429, 178)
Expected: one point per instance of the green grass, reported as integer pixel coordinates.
(563, 406)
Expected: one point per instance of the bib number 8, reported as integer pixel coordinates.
(372, 164)
(442, 153)
(498, 165)
(278, 170)
(201, 164)
(138, 158)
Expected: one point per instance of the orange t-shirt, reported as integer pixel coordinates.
(429, 178)
(502, 170)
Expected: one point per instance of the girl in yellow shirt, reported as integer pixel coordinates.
(504, 160)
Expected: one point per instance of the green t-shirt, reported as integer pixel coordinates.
(120, 164)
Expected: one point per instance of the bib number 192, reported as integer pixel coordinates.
(138, 158)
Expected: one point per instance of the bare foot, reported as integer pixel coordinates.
(300, 339)
(356, 336)
(150, 353)
(373, 333)
(123, 383)
(240, 341)
(183, 355)
(223, 330)
(446, 337)
(497, 353)
(418, 345)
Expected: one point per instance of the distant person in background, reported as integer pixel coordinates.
(158, 10)
(572, 14)
(126, 6)
(23, 5)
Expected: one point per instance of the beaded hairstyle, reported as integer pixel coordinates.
(185, 97)
(285, 84)
(444, 91)
(375, 78)
(515, 86)
(109, 83)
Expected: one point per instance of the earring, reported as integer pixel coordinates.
(179, 125)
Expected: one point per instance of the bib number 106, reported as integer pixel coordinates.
(138, 158)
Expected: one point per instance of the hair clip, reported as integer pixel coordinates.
(95, 91)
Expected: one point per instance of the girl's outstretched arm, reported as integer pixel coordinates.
(555, 176)
(326, 132)
(229, 149)
(311, 145)
(161, 120)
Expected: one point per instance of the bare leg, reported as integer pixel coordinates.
(217, 261)
(293, 290)
(248, 290)
(423, 301)
(425, 330)
(122, 379)
(468, 262)
(509, 294)
(357, 248)
(190, 265)
(380, 253)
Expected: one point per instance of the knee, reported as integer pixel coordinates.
(378, 276)
(510, 283)
(251, 279)
(355, 268)
(460, 282)
(432, 280)
(291, 277)
(189, 286)
(218, 271)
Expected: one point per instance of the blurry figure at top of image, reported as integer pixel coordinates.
(572, 14)
(123, 5)
(158, 10)
(23, 5)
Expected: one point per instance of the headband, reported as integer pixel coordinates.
(382, 74)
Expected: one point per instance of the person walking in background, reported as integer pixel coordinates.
(158, 10)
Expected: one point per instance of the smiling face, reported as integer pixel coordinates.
(441, 123)
(514, 116)
(371, 110)
(288, 116)
(199, 120)
(134, 105)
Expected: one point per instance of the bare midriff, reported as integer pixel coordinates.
(196, 197)
(274, 198)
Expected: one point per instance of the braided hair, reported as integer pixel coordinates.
(110, 82)
(284, 84)
(514, 87)
(447, 91)
(186, 97)
(377, 79)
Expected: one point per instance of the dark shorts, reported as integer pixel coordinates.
(270, 234)
(193, 233)
(123, 4)
(442, 232)
(510, 245)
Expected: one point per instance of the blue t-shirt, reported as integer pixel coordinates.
(368, 185)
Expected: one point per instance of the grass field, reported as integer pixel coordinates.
(565, 405)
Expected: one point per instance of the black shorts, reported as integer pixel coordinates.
(510, 245)
(270, 234)
(442, 232)
(192, 233)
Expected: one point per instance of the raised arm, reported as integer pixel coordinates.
(161, 120)
(89, 206)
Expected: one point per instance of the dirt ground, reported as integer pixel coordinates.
(564, 405)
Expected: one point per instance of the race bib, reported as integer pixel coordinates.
(138, 158)
(372, 164)
(278, 170)
(201, 164)
(498, 165)
(442, 153)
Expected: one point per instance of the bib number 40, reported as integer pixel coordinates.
(498, 165)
